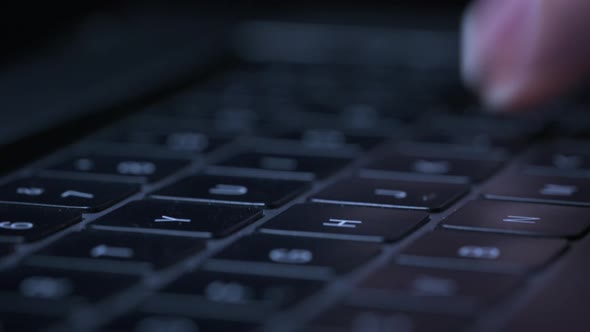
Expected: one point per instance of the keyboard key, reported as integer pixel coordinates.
(306, 167)
(351, 319)
(118, 252)
(58, 290)
(520, 218)
(142, 168)
(233, 190)
(25, 322)
(31, 223)
(464, 144)
(540, 189)
(433, 290)
(332, 139)
(392, 193)
(344, 222)
(227, 295)
(147, 322)
(291, 256)
(452, 169)
(5, 250)
(478, 251)
(188, 141)
(561, 158)
(560, 301)
(85, 195)
(178, 218)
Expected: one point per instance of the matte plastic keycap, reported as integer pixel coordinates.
(178, 218)
(20, 223)
(240, 292)
(307, 167)
(292, 256)
(561, 158)
(391, 193)
(119, 252)
(170, 322)
(540, 189)
(452, 169)
(559, 302)
(478, 251)
(352, 319)
(520, 218)
(144, 168)
(434, 290)
(61, 287)
(344, 222)
(233, 190)
(85, 195)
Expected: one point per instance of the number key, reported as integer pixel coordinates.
(30, 223)
(85, 195)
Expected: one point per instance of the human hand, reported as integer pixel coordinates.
(519, 53)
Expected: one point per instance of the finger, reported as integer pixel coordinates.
(518, 53)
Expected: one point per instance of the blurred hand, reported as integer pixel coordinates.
(518, 53)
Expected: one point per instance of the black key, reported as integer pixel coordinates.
(331, 139)
(560, 301)
(119, 252)
(520, 218)
(540, 189)
(233, 190)
(292, 256)
(58, 291)
(391, 193)
(178, 218)
(143, 168)
(561, 158)
(6, 250)
(30, 223)
(188, 141)
(344, 222)
(25, 322)
(227, 295)
(305, 167)
(86, 195)
(146, 322)
(433, 290)
(452, 169)
(464, 144)
(351, 319)
(478, 251)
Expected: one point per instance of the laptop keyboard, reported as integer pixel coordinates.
(293, 198)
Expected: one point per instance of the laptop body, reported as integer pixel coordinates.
(314, 171)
